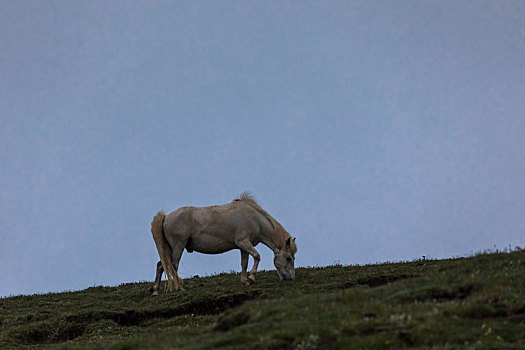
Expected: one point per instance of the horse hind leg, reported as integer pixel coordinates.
(158, 275)
(175, 259)
(156, 286)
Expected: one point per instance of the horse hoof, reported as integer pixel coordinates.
(247, 282)
(155, 293)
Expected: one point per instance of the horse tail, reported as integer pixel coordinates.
(164, 249)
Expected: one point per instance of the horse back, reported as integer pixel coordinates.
(222, 222)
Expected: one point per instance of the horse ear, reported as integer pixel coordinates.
(293, 239)
(288, 241)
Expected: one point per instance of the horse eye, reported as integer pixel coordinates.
(289, 259)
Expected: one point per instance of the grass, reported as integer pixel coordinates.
(472, 303)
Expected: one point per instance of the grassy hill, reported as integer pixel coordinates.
(476, 302)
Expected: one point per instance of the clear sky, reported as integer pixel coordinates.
(372, 130)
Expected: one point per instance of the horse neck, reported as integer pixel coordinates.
(274, 236)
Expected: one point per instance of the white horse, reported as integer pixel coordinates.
(241, 224)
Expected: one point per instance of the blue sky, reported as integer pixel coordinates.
(373, 131)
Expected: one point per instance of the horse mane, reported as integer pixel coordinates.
(281, 234)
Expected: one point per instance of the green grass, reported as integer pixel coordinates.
(470, 303)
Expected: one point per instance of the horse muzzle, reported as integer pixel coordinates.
(287, 276)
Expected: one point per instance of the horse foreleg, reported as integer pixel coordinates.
(244, 268)
(247, 247)
(156, 285)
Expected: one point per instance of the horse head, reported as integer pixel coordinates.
(284, 259)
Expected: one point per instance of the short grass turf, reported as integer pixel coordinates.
(468, 303)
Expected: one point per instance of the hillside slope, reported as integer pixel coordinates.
(476, 302)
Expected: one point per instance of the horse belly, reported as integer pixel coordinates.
(209, 244)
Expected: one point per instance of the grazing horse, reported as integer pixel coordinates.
(240, 224)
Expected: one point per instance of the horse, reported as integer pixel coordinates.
(240, 224)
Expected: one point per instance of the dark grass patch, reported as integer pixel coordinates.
(276, 344)
(208, 306)
(492, 307)
(376, 281)
(436, 293)
(368, 329)
(327, 342)
(74, 326)
(229, 320)
(46, 332)
(34, 317)
(406, 337)
(517, 315)
(480, 311)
